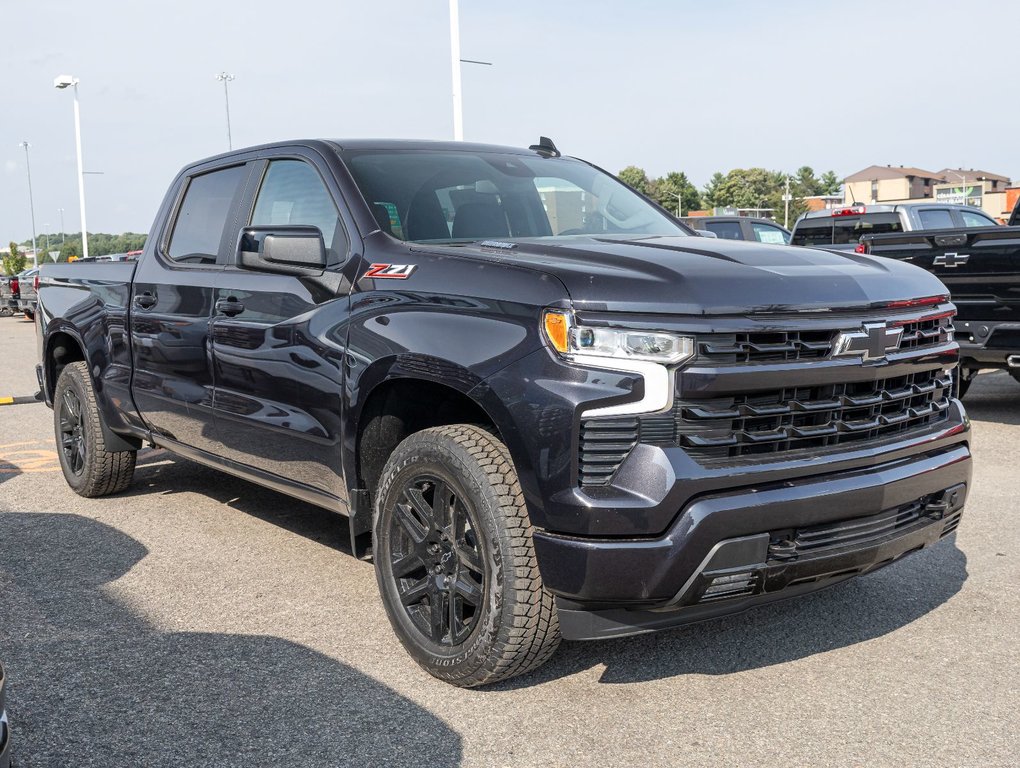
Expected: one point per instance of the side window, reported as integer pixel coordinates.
(293, 193)
(971, 219)
(727, 230)
(938, 218)
(765, 233)
(203, 214)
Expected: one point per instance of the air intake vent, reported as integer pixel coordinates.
(604, 445)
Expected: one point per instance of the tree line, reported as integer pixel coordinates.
(100, 244)
(740, 188)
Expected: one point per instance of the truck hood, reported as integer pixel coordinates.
(703, 276)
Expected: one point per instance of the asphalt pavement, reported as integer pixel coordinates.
(200, 620)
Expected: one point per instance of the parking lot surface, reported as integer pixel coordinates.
(200, 620)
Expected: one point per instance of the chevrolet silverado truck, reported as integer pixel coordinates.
(981, 268)
(558, 412)
(840, 229)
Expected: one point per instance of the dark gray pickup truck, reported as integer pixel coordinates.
(558, 411)
(981, 268)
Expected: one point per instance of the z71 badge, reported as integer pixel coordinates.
(391, 271)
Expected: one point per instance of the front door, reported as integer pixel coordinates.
(279, 340)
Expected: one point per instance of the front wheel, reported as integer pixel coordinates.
(966, 376)
(455, 560)
(88, 467)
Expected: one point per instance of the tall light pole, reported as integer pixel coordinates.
(61, 82)
(61, 210)
(455, 62)
(679, 203)
(226, 77)
(31, 203)
(963, 179)
(458, 103)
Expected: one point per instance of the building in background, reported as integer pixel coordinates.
(899, 184)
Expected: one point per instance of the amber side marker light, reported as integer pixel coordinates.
(557, 328)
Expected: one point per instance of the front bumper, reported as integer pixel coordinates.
(730, 551)
(5, 730)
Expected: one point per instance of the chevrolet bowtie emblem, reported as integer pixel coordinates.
(873, 342)
(951, 259)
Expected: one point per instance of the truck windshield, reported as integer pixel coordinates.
(451, 196)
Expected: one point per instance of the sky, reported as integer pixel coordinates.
(667, 85)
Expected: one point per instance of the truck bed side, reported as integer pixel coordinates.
(83, 313)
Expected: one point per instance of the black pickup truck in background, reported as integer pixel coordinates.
(558, 412)
(981, 268)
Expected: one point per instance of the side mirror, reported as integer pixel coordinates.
(706, 233)
(284, 249)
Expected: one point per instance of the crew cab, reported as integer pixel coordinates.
(981, 267)
(842, 228)
(558, 412)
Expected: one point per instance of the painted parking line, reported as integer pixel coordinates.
(19, 400)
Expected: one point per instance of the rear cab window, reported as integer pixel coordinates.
(209, 201)
(935, 218)
(727, 230)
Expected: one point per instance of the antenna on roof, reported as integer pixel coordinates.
(850, 189)
(545, 147)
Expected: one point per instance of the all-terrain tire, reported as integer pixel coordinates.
(89, 468)
(468, 525)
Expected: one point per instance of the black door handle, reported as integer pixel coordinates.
(145, 300)
(229, 307)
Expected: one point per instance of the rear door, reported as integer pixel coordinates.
(171, 307)
(278, 340)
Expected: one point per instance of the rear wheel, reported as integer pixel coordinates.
(88, 467)
(455, 561)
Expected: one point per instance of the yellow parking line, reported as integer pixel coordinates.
(6, 400)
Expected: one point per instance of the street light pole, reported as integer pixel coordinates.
(226, 77)
(31, 204)
(61, 82)
(679, 204)
(455, 62)
(61, 225)
(458, 105)
(786, 201)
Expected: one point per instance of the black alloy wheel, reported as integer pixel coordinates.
(455, 558)
(89, 467)
(436, 561)
(72, 432)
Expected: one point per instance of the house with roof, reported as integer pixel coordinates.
(889, 184)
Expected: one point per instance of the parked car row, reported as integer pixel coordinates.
(18, 293)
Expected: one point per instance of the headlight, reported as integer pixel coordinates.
(570, 339)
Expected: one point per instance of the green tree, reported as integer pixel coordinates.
(830, 184)
(710, 195)
(635, 178)
(666, 191)
(14, 262)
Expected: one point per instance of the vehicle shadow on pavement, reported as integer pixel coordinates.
(93, 684)
(158, 471)
(994, 396)
(849, 613)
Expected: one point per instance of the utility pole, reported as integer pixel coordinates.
(786, 201)
(31, 203)
(226, 77)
